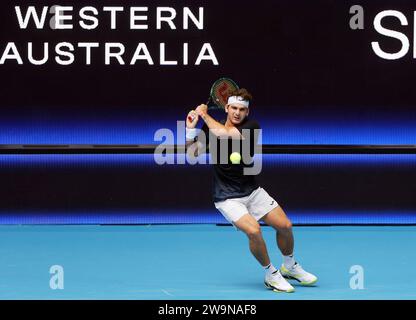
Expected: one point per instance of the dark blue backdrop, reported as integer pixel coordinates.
(320, 189)
(314, 81)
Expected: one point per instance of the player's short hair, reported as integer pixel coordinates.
(241, 93)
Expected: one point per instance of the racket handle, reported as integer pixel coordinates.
(190, 118)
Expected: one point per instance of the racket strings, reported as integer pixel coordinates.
(221, 92)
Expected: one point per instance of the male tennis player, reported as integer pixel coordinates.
(240, 199)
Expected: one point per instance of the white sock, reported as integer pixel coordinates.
(270, 269)
(289, 261)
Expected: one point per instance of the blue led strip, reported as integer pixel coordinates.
(338, 125)
(205, 217)
(134, 160)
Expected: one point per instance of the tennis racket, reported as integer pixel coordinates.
(218, 96)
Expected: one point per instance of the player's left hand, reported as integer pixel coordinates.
(202, 109)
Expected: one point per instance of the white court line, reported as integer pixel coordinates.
(165, 292)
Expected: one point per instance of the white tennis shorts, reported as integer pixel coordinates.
(257, 204)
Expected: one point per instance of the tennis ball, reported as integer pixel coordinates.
(235, 158)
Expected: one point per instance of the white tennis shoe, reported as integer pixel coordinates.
(297, 273)
(277, 283)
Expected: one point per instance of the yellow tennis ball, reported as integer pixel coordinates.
(235, 158)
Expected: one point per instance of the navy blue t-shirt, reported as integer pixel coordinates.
(229, 179)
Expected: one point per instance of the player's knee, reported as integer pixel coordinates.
(254, 232)
(285, 226)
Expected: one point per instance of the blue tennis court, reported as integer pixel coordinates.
(200, 262)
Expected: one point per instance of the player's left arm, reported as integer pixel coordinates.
(214, 126)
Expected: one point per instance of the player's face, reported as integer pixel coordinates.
(237, 113)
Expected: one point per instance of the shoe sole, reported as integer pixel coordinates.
(302, 283)
(268, 286)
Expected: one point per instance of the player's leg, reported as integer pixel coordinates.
(263, 207)
(235, 211)
(290, 269)
(284, 236)
(252, 229)
(273, 278)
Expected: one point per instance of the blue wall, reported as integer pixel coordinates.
(313, 189)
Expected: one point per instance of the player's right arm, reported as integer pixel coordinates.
(192, 145)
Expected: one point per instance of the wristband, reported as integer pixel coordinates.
(191, 133)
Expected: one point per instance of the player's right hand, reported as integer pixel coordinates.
(192, 119)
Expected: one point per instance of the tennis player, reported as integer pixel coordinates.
(238, 196)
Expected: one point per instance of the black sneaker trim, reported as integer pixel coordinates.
(269, 286)
(290, 278)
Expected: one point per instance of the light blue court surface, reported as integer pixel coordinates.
(199, 262)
